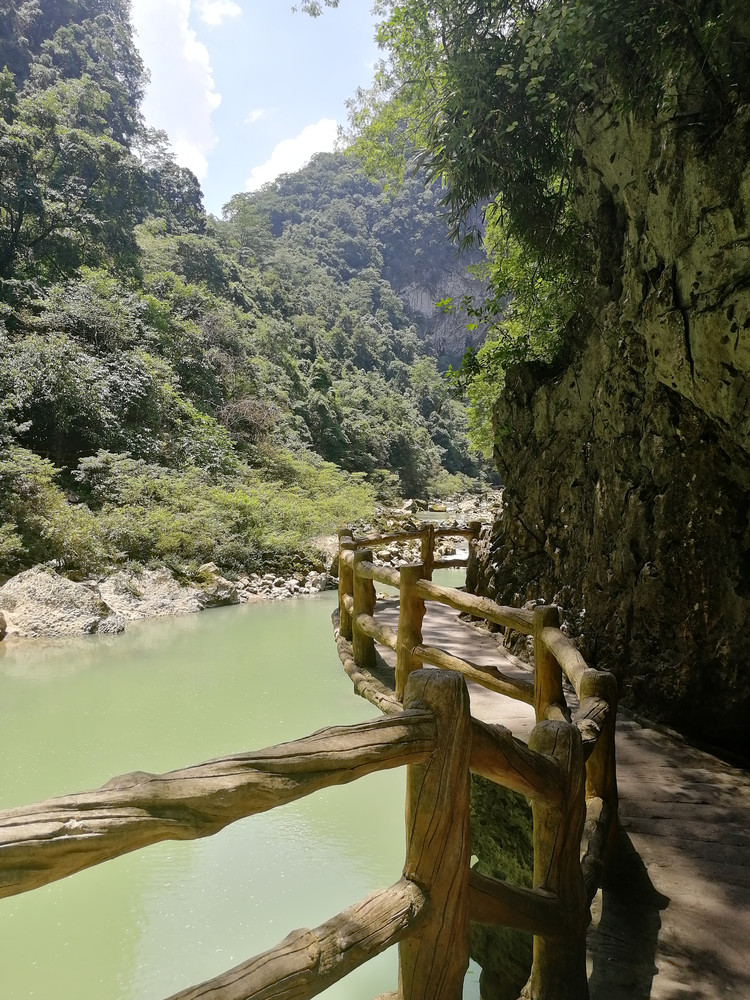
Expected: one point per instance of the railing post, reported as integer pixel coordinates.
(428, 550)
(547, 671)
(363, 590)
(433, 961)
(471, 575)
(558, 971)
(410, 615)
(346, 544)
(601, 769)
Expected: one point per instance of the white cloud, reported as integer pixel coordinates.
(216, 12)
(182, 96)
(292, 154)
(255, 115)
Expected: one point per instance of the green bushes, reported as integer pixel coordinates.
(136, 511)
(39, 523)
(184, 517)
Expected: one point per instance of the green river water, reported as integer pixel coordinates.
(166, 694)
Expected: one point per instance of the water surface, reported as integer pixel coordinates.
(166, 694)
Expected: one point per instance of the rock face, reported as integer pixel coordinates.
(156, 593)
(501, 839)
(627, 466)
(445, 333)
(41, 603)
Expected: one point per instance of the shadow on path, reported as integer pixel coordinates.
(624, 934)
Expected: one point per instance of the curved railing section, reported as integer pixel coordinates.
(567, 768)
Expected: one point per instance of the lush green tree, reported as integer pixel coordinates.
(69, 195)
(484, 96)
(248, 228)
(100, 49)
(176, 196)
(173, 384)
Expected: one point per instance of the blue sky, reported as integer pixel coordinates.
(246, 89)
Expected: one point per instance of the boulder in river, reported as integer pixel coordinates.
(410, 506)
(156, 593)
(39, 602)
(327, 548)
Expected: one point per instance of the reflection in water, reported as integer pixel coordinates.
(166, 694)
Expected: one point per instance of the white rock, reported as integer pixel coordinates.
(42, 603)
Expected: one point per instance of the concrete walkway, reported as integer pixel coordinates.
(674, 921)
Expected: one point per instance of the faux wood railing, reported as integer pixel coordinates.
(427, 728)
(567, 769)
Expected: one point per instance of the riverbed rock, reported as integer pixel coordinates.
(39, 602)
(327, 548)
(216, 591)
(414, 505)
(3, 627)
(156, 593)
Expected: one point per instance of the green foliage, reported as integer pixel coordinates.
(485, 98)
(187, 517)
(146, 513)
(485, 95)
(69, 104)
(176, 197)
(69, 192)
(532, 302)
(39, 523)
(177, 388)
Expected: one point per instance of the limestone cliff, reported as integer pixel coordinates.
(444, 333)
(628, 463)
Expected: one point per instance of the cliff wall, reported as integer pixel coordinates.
(445, 333)
(628, 463)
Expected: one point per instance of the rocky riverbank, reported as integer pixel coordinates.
(41, 602)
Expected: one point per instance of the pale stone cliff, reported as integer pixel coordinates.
(445, 332)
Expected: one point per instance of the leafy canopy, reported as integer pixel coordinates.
(484, 95)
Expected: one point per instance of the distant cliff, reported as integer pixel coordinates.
(444, 333)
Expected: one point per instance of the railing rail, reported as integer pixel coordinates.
(566, 770)
(574, 796)
(48, 840)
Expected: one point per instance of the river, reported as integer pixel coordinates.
(166, 694)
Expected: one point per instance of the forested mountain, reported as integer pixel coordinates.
(177, 387)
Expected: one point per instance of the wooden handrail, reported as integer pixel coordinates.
(495, 902)
(381, 574)
(567, 655)
(433, 964)
(489, 677)
(373, 541)
(309, 961)
(517, 619)
(46, 841)
(567, 770)
(498, 755)
(385, 635)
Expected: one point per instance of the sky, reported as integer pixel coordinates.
(246, 89)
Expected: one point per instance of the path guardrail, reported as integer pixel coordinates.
(567, 770)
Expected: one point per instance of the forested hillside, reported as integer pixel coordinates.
(178, 388)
